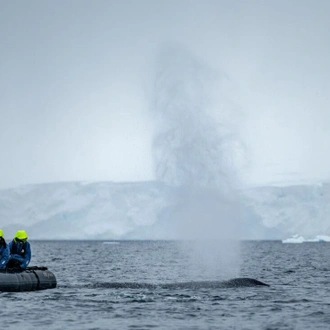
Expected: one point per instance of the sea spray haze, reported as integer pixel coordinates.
(192, 153)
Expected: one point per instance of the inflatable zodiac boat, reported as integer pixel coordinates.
(30, 279)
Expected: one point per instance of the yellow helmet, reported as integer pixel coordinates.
(21, 234)
(1, 233)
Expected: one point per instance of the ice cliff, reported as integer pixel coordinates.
(145, 210)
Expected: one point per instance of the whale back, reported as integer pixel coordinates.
(233, 283)
(244, 282)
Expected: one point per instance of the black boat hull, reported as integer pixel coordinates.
(31, 279)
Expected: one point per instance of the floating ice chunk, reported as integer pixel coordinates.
(300, 239)
(320, 238)
(294, 239)
(312, 240)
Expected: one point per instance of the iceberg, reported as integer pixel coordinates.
(294, 239)
(319, 238)
(300, 239)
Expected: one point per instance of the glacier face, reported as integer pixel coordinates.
(81, 210)
(298, 209)
(147, 210)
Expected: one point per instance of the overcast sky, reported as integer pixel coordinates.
(75, 78)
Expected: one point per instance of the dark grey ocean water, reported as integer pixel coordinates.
(298, 296)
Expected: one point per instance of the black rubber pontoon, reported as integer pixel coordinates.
(30, 279)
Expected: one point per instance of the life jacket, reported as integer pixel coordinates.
(3, 248)
(18, 248)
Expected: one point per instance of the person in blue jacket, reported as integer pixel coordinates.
(4, 251)
(20, 250)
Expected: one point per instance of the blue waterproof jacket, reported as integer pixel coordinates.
(20, 252)
(4, 255)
